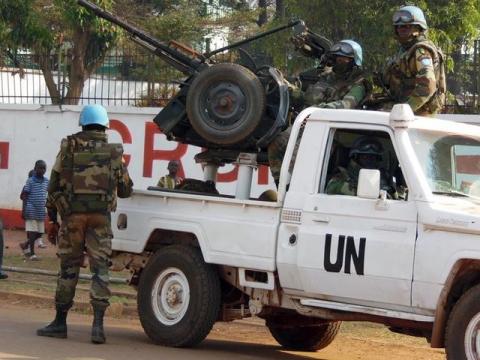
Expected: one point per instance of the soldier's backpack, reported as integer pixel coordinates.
(89, 171)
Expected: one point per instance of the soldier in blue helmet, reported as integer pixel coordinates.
(416, 74)
(342, 85)
(88, 175)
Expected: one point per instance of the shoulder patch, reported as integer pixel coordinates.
(427, 62)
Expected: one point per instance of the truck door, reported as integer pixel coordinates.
(353, 249)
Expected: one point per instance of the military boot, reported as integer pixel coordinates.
(98, 335)
(58, 327)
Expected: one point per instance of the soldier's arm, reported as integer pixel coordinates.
(425, 83)
(125, 183)
(339, 184)
(351, 100)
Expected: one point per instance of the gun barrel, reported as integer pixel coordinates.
(250, 39)
(177, 59)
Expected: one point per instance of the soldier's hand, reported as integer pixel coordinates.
(52, 232)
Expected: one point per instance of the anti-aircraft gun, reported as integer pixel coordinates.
(226, 108)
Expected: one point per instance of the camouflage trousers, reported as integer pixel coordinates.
(79, 233)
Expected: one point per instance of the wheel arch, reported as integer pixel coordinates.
(169, 233)
(464, 274)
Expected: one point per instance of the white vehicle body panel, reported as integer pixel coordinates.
(229, 231)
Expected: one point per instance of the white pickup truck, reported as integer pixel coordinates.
(310, 260)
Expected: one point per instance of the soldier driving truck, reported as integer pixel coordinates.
(310, 259)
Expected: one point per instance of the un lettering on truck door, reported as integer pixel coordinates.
(346, 255)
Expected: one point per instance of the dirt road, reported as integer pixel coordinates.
(235, 341)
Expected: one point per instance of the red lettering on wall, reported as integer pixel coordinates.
(4, 150)
(122, 129)
(150, 154)
(263, 175)
(229, 176)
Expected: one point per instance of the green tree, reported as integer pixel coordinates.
(44, 26)
(453, 24)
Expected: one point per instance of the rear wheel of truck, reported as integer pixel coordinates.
(462, 338)
(305, 338)
(178, 297)
(226, 103)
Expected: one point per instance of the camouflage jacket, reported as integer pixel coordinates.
(88, 175)
(334, 91)
(416, 76)
(345, 181)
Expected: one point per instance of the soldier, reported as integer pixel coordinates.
(341, 86)
(365, 153)
(170, 180)
(87, 176)
(416, 75)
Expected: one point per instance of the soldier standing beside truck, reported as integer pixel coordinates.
(340, 86)
(416, 74)
(86, 179)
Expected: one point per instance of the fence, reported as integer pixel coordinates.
(124, 79)
(135, 78)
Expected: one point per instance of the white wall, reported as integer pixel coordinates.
(32, 132)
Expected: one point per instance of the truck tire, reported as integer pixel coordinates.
(178, 297)
(305, 338)
(462, 336)
(225, 103)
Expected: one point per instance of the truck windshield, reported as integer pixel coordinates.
(451, 162)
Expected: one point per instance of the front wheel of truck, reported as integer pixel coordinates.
(462, 339)
(305, 338)
(178, 297)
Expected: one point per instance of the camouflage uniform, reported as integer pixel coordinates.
(331, 91)
(345, 182)
(87, 176)
(416, 76)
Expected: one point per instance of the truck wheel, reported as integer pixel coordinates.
(225, 103)
(463, 327)
(178, 297)
(305, 338)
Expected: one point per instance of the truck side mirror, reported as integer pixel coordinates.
(368, 183)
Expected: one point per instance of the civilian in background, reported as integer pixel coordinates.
(35, 195)
(171, 180)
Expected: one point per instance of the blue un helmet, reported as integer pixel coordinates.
(94, 115)
(348, 48)
(410, 15)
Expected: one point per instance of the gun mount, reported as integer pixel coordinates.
(219, 106)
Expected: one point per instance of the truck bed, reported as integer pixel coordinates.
(210, 218)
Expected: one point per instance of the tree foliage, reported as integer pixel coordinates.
(452, 24)
(44, 26)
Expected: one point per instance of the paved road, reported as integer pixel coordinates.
(125, 340)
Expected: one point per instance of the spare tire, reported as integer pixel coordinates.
(225, 103)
